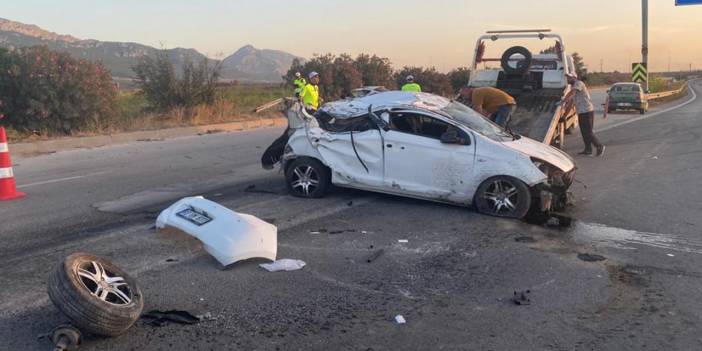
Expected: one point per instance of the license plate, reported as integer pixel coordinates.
(194, 217)
(624, 104)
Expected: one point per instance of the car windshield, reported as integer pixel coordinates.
(625, 88)
(473, 120)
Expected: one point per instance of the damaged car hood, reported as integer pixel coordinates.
(542, 152)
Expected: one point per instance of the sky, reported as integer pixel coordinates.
(440, 33)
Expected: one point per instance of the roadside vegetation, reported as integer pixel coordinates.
(47, 94)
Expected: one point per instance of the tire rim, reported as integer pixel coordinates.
(502, 197)
(103, 284)
(305, 180)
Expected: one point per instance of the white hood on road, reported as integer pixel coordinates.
(543, 152)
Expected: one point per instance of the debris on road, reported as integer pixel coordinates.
(671, 255)
(374, 255)
(521, 297)
(402, 241)
(399, 319)
(525, 239)
(252, 189)
(96, 295)
(226, 235)
(587, 257)
(66, 338)
(156, 318)
(284, 264)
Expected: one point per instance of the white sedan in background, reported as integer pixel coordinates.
(423, 146)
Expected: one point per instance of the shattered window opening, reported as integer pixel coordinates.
(418, 124)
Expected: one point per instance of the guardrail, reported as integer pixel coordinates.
(653, 96)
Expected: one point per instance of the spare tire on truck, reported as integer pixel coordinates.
(523, 66)
(96, 295)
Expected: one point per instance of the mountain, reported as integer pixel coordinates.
(246, 64)
(249, 63)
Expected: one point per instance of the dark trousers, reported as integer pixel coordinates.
(586, 122)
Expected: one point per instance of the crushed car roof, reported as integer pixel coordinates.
(390, 99)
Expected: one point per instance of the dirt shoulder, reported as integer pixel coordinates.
(47, 146)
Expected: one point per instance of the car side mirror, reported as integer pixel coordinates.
(450, 137)
(385, 117)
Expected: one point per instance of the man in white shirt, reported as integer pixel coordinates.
(586, 114)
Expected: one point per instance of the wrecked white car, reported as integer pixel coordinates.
(422, 146)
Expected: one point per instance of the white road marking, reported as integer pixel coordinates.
(3, 147)
(626, 239)
(51, 181)
(693, 98)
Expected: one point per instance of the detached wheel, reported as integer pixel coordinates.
(503, 196)
(307, 177)
(96, 295)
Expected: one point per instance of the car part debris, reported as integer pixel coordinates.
(402, 241)
(66, 338)
(587, 257)
(158, 318)
(284, 264)
(525, 239)
(399, 319)
(521, 297)
(96, 295)
(226, 235)
(374, 255)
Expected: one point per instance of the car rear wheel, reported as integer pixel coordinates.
(503, 196)
(307, 177)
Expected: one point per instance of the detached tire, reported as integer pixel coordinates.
(307, 177)
(96, 295)
(503, 196)
(523, 67)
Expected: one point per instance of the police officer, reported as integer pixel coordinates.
(299, 83)
(411, 85)
(310, 94)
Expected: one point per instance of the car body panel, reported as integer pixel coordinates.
(228, 236)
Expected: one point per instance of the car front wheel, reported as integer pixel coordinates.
(307, 177)
(503, 196)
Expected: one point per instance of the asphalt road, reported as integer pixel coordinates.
(452, 280)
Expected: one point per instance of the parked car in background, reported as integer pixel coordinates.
(627, 96)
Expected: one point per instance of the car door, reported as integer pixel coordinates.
(354, 154)
(417, 163)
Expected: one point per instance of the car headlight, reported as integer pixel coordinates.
(541, 165)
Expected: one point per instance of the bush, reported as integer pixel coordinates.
(431, 80)
(43, 90)
(165, 89)
(459, 77)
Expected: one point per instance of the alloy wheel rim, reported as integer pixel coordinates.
(104, 284)
(305, 180)
(502, 197)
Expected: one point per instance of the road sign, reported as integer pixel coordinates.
(639, 73)
(687, 2)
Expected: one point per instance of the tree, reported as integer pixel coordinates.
(431, 80)
(459, 78)
(164, 88)
(580, 67)
(375, 71)
(43, 90)
(338, 75)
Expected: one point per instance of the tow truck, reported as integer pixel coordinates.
(536, 79)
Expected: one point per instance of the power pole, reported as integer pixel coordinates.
(601, 64)
(644, 37)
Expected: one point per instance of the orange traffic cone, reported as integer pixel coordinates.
(7, 177)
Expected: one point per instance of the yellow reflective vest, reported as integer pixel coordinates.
(412, 87)
(300, 85)
(310, 96)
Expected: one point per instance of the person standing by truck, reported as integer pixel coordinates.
(492, 103)
(586, 114)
